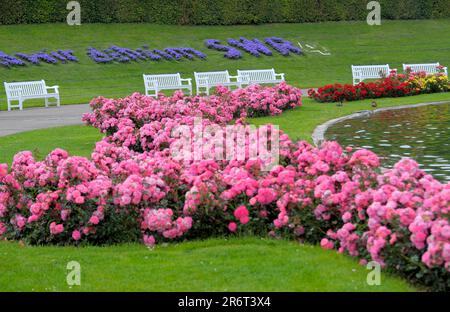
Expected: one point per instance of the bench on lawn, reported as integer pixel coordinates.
(209, 80)
(157, 83)
(261, 76)
(21, 91)
(432, 68)
(360, 73)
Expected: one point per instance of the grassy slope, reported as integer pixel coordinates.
(238, 264)
(350, 43)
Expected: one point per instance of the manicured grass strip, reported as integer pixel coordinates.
(394, 42)
(237, 264)
(77, 140)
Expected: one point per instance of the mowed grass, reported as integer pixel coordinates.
(235, 264)
(394, 42)
(77, 140)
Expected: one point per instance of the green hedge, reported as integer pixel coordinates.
(216, 12)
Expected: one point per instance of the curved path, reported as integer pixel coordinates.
(39, 118)
(318, 135)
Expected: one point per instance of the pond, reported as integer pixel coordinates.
(422, 133)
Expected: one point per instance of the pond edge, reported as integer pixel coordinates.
(318, 135)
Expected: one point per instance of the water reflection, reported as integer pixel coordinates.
(422, 133)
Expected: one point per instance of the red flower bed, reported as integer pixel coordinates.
(395, 85)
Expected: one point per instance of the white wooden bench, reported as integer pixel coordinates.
(208, 80)
(261, 76)
(21, 91)
(158, 83)
(360, 73)
(432, 68)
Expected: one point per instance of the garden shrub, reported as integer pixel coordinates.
(134, 188)
(221, 12)
(395, 85)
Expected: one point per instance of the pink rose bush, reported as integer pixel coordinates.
(133, 188)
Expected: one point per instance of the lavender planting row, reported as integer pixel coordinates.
(254, 47)
(119, 54)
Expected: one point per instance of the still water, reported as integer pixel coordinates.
(422, 133)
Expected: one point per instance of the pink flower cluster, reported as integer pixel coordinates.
(133, 188)
(160, 221)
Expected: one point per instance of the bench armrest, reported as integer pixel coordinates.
(280, 75)
(56, 88)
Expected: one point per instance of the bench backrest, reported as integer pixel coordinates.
(371, 71)
(257, 75)
(167, 80)
(212, 78)
(431, 68)
(28, 88)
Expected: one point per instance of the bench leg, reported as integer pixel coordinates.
(46, 102)
(58, 102)
(21, 104)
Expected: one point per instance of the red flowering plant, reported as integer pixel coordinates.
(395, 85)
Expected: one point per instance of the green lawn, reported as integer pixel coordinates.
(236, 264)
(393, 42)
(77, 140)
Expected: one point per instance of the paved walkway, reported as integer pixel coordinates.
(39, 118)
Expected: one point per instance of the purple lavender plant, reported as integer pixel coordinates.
(163, 54)
(180, 53)
(195, 53)
(59, 57)
(175, 53)
(148, 54)
(68, 54)
(8, 61)
(36, 58)
(283, 46)
(31, 58)
(99, 56)
(214, 44)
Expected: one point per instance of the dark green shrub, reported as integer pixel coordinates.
(216, 12)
